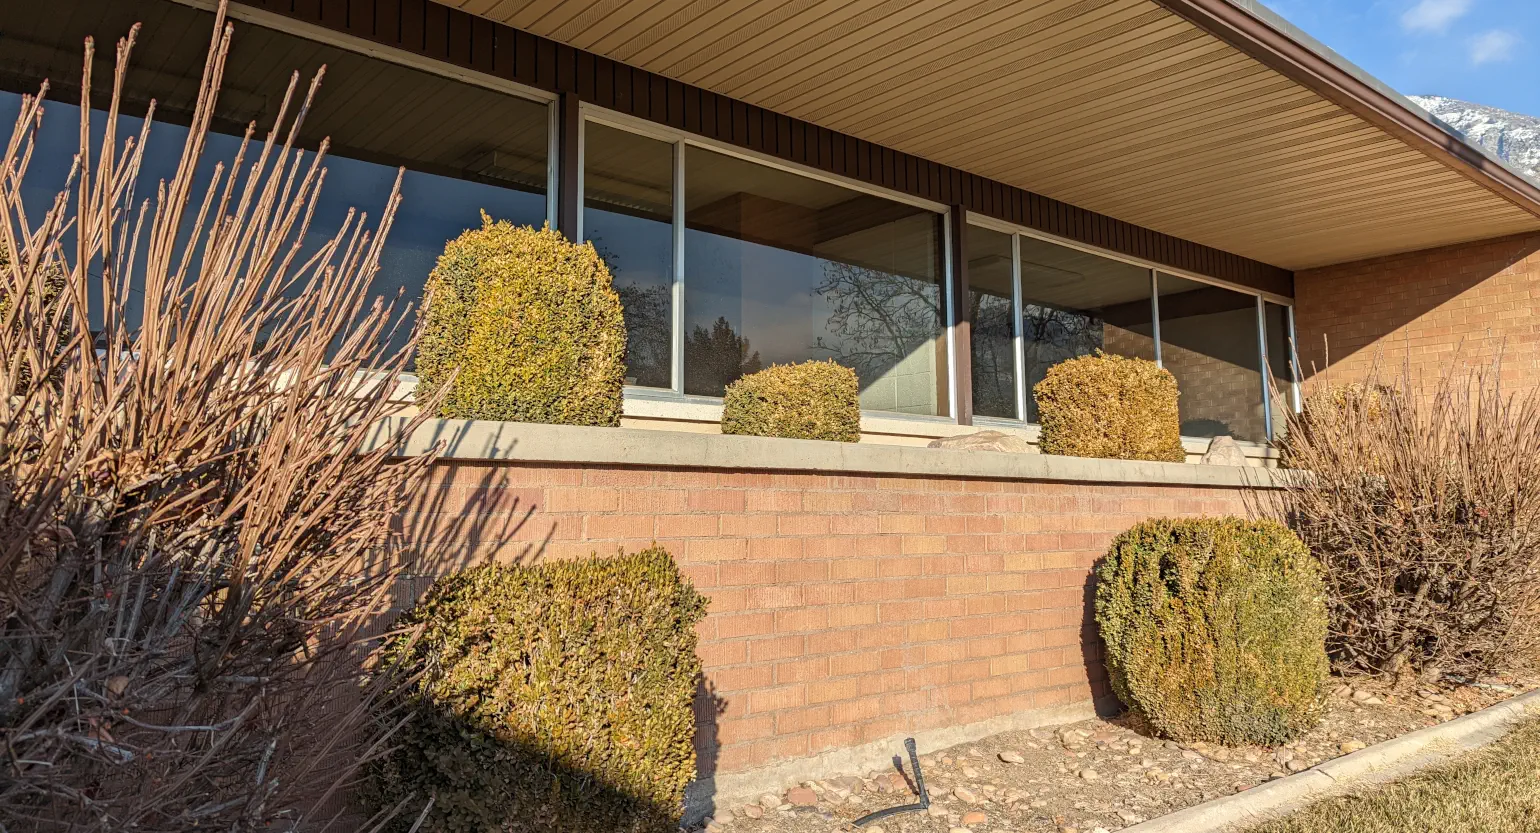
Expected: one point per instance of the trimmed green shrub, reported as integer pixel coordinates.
(532, 324)
(808, 401)
(1109, 406)
(553, 697)
(1215, 629)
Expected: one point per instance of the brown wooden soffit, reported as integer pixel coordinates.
(1277, 50)
(442, 33)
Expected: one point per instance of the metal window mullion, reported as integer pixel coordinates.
(582, 176)
(1265, 368)
(1295, 374)
(1019, 336)
(1155, 314)
(552, 162)
(947, 314)
(677, 354)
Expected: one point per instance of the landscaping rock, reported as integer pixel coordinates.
(801, 797)
(1010, 782)
(1351, 746)
(1224, 451)
(985, 441)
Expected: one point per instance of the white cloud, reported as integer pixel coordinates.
(1491, 47)
(1433, 15)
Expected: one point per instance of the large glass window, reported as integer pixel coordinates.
(1208, 340)
(1280, 363)
(992, 315)
(781, 267)
(467, 149)
(628, 214)
(1075, 303)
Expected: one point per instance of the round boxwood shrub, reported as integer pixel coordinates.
(552, 697)
(814, 400)
(532, 324)
(1215, 629)
(1109, 406)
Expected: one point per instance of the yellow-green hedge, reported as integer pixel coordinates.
(809, 401)
(531, 322)
(555, 697)
(1215, 629)
(1109, 406)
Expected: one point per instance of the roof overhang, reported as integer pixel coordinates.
(1210, 120)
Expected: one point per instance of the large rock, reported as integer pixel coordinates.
(1224, 451)
(985, 441)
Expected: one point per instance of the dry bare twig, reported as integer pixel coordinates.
(189, 543)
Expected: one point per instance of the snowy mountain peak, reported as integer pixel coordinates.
(1512, 137)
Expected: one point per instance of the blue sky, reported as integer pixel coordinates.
(1484, 51)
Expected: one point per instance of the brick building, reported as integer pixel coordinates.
(948, 195)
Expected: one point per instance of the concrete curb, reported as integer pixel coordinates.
(1395, 758)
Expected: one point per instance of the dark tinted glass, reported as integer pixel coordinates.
(993, 319)
(467, 149)
(1280, 364)
(628, 213)
(781, 267)
(1074, 303)
(1208, 340)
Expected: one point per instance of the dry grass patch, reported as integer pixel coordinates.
(1496, 790)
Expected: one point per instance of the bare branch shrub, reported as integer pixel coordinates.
(1424, 507)
(189, 542)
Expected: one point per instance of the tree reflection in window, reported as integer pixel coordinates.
(878, 319)
(715, 358)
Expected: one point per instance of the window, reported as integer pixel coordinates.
(1075, 303)
(467, 149)
(1280, 363)
(781, 267)
(628, 214)
(1209, 342)
(991, 312)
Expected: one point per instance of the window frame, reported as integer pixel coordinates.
(401, 57)
(682, 140)
(1261, 298)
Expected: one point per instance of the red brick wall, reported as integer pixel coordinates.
(844, 609)
(1420, 311)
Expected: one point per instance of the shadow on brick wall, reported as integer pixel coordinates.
(457, 524)
(700, 795)
(508, 784)
(463, 523)
(1353, 315)
(1093, 652)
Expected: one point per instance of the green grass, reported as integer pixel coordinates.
(1495, 790)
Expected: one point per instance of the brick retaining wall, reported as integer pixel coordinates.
(845, 609)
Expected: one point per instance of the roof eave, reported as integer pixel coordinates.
(1260, 33)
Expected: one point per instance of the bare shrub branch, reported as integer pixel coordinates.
(1424, 505)
(190, 544)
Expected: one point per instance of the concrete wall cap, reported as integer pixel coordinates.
(535, 443)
